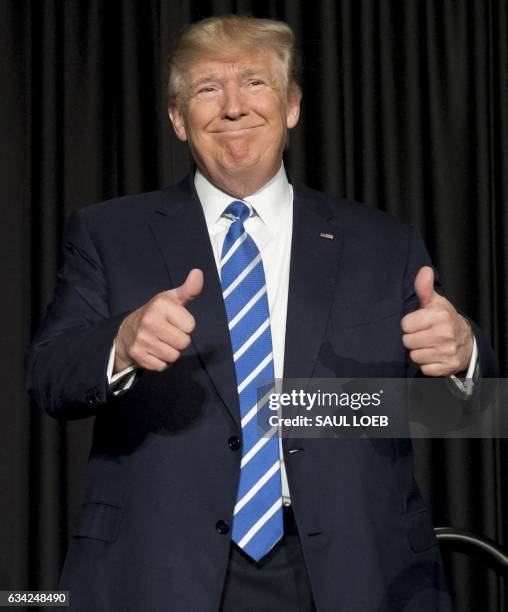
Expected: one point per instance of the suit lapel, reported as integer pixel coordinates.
(180, 230)
(313, 273)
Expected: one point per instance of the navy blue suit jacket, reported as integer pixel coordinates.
(161, 473)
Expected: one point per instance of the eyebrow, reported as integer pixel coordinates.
(247, 71)
(204, 79)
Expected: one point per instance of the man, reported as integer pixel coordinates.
(172, 306)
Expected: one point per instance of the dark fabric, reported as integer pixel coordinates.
(405, 107)
(278, 582)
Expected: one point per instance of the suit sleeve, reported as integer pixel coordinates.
(67, 362)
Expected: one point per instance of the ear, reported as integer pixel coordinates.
(176, 118)
(293, 109)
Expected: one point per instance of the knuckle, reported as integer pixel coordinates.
(443, 350)
(147, 323)
(449, 337)
(439, 316)
(135, 354)
(143, 338)
(446, 334)
(157, 303)
(449, 329)
(145, 326)
(150, 308)
(445, 316)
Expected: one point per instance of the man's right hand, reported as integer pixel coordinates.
(153, 336)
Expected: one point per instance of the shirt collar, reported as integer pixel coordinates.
(269, 202)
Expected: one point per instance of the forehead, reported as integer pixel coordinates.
(216, 67)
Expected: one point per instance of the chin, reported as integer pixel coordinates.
(240, 164)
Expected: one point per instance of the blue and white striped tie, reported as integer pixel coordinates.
(257, 520)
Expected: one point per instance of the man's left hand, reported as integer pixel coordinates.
(439, 340)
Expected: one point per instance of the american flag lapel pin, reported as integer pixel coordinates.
(327, 236)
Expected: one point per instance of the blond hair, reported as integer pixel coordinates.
(227, 37)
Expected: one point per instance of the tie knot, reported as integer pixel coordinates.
(238, 210)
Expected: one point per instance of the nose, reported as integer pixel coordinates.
(234, 106)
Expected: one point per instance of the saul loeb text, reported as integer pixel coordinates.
(300, 401)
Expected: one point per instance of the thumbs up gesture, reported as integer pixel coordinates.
(439, 340)
(153, 336)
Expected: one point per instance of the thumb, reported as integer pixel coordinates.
(424, 285)
(191, 287)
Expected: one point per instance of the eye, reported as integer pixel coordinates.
(207, 91)
(256, 83)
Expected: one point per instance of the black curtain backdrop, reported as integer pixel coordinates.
(405, 107)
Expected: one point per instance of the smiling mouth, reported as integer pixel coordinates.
(235, 130)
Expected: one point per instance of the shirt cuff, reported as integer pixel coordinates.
(466, 384)
(121, 381)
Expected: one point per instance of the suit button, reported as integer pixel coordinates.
(234, 443)
(93, 397)
(222, 527)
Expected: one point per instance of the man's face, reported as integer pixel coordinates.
(235, 116)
